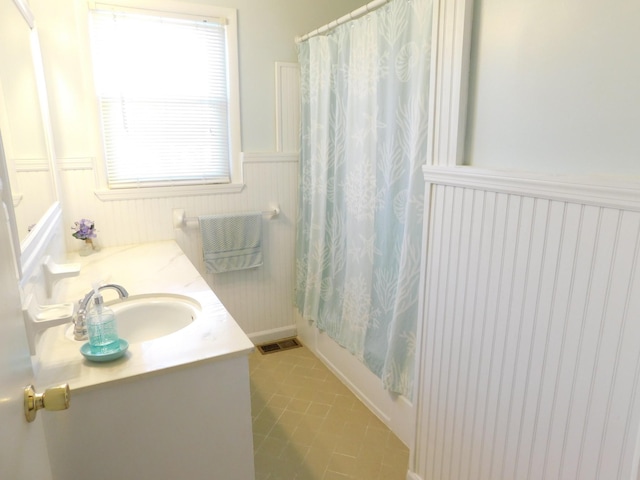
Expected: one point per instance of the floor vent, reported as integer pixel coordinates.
(279, 346)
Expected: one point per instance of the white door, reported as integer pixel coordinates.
(23, 450)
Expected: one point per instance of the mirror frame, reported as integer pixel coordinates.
(7, 201)
(35, 243)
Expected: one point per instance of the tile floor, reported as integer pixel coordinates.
(308, 426)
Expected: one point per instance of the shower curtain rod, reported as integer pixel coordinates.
(358, 12)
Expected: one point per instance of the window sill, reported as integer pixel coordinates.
(107, 195)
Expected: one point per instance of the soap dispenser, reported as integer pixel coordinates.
(101, 327)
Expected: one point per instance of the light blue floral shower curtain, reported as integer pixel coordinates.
(365, 90)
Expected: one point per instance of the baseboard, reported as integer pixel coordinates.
(272, 335)
(413, 476)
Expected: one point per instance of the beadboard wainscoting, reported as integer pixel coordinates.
(260, 300)
(530, 335)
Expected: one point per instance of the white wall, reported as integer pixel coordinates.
(555, 86)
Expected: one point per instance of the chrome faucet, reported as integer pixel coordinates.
(79, 322)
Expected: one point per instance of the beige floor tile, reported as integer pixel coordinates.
(391, 472)
(289, 417)
(290, 390)
(375, 436)
(314, 422)
(324, 396)
(371, 453)
(258, 438)
(329, 475)
(309, 426)
(344, 401)
(294, 454)
(340, 414)
(318, 409)
(394, 442)
(344, 464)
(281, 432)
(346, 447)
(264, 464)
(278, 401)
(272, 447)
(396, 458)
(367, 470)
(356, 428)
(337, 386)
(263, 424)
(298, 405)
(304, 435)
(283, 471)
(306, 393)
(316, 461)
(257, 403)
(326, 440)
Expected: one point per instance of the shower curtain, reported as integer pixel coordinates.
(365, 90)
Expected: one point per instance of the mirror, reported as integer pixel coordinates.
(24, 118)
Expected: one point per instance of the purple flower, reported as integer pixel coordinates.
(84, 229)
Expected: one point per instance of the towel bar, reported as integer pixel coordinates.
(180, 219)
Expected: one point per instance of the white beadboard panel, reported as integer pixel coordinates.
(531, 358)
(287, 107)
(261, 299)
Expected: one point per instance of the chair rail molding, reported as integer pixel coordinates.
(599, 190)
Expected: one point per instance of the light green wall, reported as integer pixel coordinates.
(267, 29)
(555, 86)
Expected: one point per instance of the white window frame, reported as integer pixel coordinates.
(183, 9)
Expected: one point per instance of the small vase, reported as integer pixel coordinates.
(87, 247)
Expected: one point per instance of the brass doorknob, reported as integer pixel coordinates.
(54, 398)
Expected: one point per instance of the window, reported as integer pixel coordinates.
(167, 92)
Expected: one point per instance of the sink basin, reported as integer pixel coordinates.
(146, 317)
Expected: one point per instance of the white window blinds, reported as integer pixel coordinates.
(162, 85)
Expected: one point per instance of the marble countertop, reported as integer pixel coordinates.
(158, 267)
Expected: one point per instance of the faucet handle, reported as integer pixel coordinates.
(80, 331)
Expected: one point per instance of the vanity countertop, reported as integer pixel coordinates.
(158, 267)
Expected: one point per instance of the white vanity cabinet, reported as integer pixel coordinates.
(173, 407)
(189, 422)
